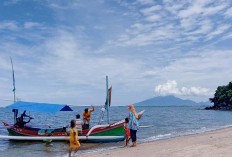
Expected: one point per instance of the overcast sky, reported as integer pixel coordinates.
(63, 50)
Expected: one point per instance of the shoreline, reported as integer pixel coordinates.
(210, 143)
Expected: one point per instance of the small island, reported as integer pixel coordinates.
(222, 98)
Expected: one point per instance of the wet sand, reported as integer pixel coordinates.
(216, 143)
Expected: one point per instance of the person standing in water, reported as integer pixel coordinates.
(74, 141)
(87, 117)
(127, 131)
(133, 124)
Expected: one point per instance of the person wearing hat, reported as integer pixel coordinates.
(87, 117)
(133, 124)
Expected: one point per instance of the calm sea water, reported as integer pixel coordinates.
(166, 122)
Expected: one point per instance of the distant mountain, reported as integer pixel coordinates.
(170, 101)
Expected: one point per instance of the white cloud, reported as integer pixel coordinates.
(191, 22)
(4, 65)
(153, 18)
(168, 88)
(11, 2)
(228, 12)
(29, 25)
(201, 8)
(214, 10)
(151, 10)
(228, 36)
(205, 27)
(138, 28)
(144, 35)
(144, 2)
(59, 4)
(171, 88)
(188, 23)
(192, 10)
(220, 29)
(151, 73)
(10, 25)
(195, 91)
(173, 7)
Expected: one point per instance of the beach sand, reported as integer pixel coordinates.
(216, 143)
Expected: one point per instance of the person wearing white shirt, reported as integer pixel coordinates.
(79, 124)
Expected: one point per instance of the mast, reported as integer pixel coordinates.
(107, 101)
(13, 78)
(14, 110)
(106, 107)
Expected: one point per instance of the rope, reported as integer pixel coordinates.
(6, 100)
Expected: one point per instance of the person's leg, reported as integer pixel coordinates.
(88, 124)
(133, 137)
(84, 125)
(70, 151)
(127, 141)
(76, 149)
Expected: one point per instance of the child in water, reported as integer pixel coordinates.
(127, 131)
(74, 142)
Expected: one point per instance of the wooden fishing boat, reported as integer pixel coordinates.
(95, 134)
(110, 132)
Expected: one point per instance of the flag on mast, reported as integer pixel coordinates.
(109, 91)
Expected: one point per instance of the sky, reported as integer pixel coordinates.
(63, 50)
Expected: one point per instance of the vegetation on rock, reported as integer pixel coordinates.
(222, 98)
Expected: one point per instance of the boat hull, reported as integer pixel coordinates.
(114, 129)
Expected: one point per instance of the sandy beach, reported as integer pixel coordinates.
(216, 143)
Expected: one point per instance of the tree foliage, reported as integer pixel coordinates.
(222, 98)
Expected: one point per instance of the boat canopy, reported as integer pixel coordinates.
(39, 107)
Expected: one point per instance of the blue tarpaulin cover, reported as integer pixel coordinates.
(39, 107)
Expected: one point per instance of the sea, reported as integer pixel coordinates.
(161, 122)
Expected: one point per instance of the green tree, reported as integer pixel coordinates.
(222, 98)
